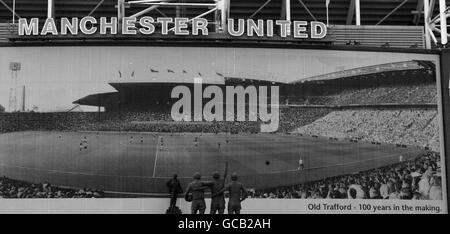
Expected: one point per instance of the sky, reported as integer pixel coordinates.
(54, 77)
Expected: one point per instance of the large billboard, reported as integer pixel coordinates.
(223, 129)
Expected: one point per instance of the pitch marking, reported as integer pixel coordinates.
(156, 156)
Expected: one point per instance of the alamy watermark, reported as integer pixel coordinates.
(230, 107)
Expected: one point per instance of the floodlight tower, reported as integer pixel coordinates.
(14, 67)
(22, 108)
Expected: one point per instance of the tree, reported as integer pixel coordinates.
(2, 109)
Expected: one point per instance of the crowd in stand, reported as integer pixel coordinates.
(417, 94)
(418, 179)
(405, 94)
(146, 121)
(292, 118)
(18, 189)
(416, 127)
(62, 121)
(159, 120)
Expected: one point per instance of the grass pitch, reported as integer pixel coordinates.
(134, 164)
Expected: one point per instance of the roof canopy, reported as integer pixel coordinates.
(372, 11)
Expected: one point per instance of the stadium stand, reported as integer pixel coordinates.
(403, 127)
(19, 189)
(317, 111)
(419, 179)
(412, 121)
(406, 94)
(292, 117)
(417, 127)
(150, 121)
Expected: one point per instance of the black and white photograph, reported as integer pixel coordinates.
(223, 106)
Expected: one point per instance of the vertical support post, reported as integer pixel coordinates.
(178, 11)
(227, 8)
(431, 8)
(443, 16)
(225, 14)
(288, 10)
(14, 12)
(351, 12)
(358, 12)
(50, 8)
(218, 16)
(222, 19)
(120, 13)
(426, 11)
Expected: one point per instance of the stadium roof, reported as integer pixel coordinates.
(406, 12)
(120, 86)
(97, 99)
(369, 70)
(160, 89)
(103, 99)
(157, 88)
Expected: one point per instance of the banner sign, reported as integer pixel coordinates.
(177, 26)
(220, 129)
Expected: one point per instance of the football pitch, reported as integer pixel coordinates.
(135, 164)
